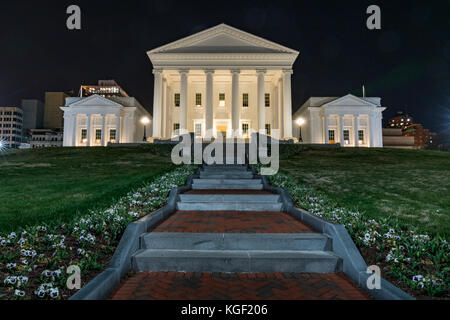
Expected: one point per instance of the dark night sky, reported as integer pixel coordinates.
(407, 63)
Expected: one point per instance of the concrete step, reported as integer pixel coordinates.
(225, 170)
(213, 198)
(235, 241)
(229, 206)
(236, 261)
(227, 181)
(253, 186)
(227, 175)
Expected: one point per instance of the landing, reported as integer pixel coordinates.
(232, 222)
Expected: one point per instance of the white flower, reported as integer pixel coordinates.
(19, 293)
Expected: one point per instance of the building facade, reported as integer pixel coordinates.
(11, 123)
(33, 114)
(53, 115)
(222, 80)
(44, 138)
(96, 121)
(350, 121)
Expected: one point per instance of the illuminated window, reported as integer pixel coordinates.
(98, 135)
(176, 126)
(245, 128)
(361, 136)
(83, 135)
(112, 135)
(331, 136)
(245, 100)
(221, 99)
(347, 136)
(198, 99)
(176, 99)
(267, 126)
(267, 99)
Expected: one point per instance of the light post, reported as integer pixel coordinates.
(145, 121)
(300, 122)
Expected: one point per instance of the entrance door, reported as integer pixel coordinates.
(222, 130)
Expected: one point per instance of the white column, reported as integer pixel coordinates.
(235, 110)
(341, 130)
(275, 108)
(117, 128)
(280, 107)
(88, 130)
(209, 110)
(157, 101)
(356, 129)
(371, 130)
(183, 98)
(74, 130)
(287, 103)
(164, 109)
(261, 106)
(103, 130)
(168, 112)
(325, 128)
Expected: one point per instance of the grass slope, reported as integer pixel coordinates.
(410, 185)
(50, 185)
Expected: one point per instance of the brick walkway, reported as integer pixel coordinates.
(232, 222)
(220, 286)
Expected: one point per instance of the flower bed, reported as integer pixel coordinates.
(417, 263)
(34, 261)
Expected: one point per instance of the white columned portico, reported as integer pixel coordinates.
(287, 103)
(356, 129)
(341, 130)
(168, 113)
(371, 130)
(103, 130)
(117, 128)
(157, 101)
(88, 130)
(235, 116)
(183, 99)
(74, 129)
(326, 133)
(261, 106)
(209, 124)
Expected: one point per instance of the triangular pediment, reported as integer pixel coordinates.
(95, 100)
(349, 101)
(222, 39)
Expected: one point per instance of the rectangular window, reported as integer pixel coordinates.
(331, 136)
(221, 99)
(176, 99)
(245, 128)
(198, 99)
(346, 136)
(361, 136)
(268, 129)
(267, 99)
(112, 135)
(176, 126)
(98, 135)
(198, 129)
(83, 135)
(245, 100)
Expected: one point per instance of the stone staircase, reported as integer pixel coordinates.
(234, 252)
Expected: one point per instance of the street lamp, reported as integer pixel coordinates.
(145, 121)
(300, 122)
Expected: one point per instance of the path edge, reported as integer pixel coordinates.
(104, 283)
(354, 265)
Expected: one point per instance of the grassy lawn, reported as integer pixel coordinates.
(410, 185)
(51, 185)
